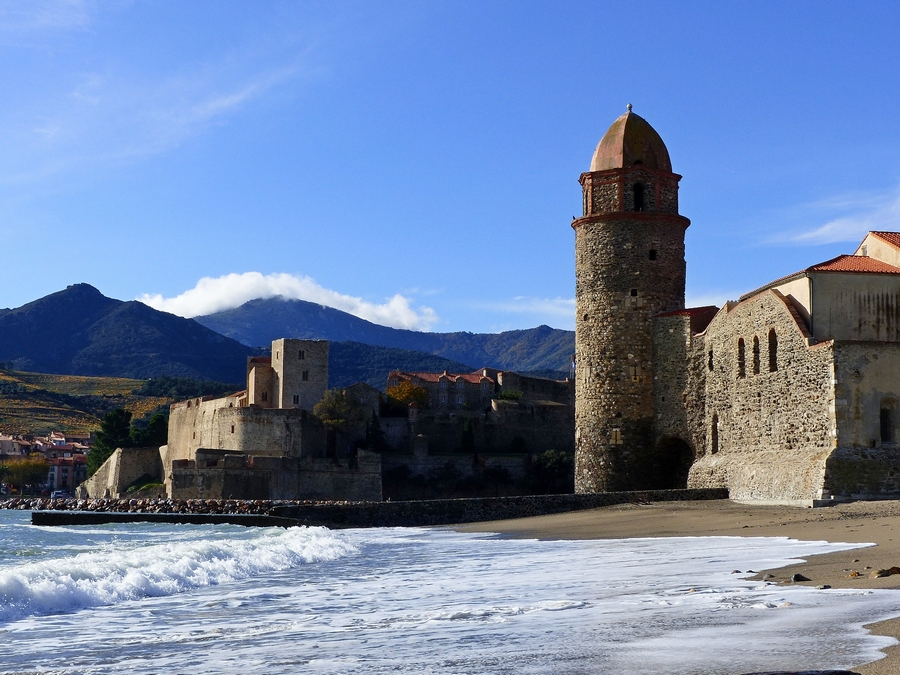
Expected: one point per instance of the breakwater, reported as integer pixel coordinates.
(340, 514)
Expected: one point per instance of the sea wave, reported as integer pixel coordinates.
(93, 579)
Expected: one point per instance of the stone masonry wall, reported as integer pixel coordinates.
(119, 471)
(768, 433)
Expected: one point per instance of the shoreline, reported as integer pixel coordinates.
(855, 522)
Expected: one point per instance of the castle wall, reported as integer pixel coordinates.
(768, 433)
(219, 475)
(121, 469)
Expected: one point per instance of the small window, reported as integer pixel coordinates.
(773, 351)
(755, 355)
(443, 384)
(709, 360)
(265, 396)
(443, 398)
(635, 372)
(302, 355)
(887, 426)
(232, 428)
(638, 196)
(652, 254)
(304, 375)
(633, 292)
(714, 435)
(615, 437)
(296, 399)
(277, 355)
(459, 399)
(742, 366)
(459, 384)
(393, 383)
(484, 385)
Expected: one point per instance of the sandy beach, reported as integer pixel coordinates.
(858, 522)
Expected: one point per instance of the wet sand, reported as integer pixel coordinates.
(859, 522)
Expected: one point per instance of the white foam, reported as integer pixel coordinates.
(106, 577)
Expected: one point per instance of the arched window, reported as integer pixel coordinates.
(714, 435)
(638, 196)
(773, 351)
(742, 365)
(887, 426)
(755, 355)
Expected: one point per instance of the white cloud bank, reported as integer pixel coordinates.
(212, 295)
(861, 215)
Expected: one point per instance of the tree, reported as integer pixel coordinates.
(339, 412)
(30, 470)
(155, 434)
(115, 432)
(407, 392)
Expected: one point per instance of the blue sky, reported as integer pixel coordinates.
(417, 163)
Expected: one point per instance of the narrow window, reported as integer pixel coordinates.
(887, 428)
(709, 360)
(443, 398)
(265, 396)
(638, 196)
(443, 384)
(755, 355)
(459, 384)
(296, 399)
(652, 254)
(304, 375)
(633, 292)
(714, 435)
(232, 428)
(302, 355)
(635, 373)
(773, 351)
(742, 366)
(459, 399)
(615, 437)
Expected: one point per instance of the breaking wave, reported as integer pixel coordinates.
(111, 576)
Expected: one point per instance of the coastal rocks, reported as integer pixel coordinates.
(799, 577)
(877, 574)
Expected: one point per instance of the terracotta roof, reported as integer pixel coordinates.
(472, 378)
(630, 140)
(858, 264)
(854, 263)
(892, 238)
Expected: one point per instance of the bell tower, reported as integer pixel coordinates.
(629, 265)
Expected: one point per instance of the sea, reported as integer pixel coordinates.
(224, 599)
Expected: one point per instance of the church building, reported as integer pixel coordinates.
(788, 395)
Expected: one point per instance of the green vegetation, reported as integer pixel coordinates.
(22, 471)
(180, 388)
(338, 412)
(510, 395)
(118, 431)
(550, 472)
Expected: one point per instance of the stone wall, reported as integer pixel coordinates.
(300, 372)
(216, 474)
(119, 471)
(769, 415)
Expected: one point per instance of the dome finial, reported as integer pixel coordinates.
(629, 107)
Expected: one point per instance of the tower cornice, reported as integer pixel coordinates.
(614, 174)
(634, 216)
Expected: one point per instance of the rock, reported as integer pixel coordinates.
(885, 573)
(823, 587)
(732, 571)
(799, 577)
(853, 574)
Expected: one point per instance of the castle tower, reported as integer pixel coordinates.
(629, 265)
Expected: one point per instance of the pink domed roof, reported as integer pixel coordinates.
(631, 140)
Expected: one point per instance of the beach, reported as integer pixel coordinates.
(856, 522)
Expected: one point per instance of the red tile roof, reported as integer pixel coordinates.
(854, 263)
(892, 238)
(857, 264)
(472, 378)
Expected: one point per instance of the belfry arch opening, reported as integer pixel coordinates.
(638, 189)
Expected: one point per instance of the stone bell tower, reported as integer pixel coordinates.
(629, 265)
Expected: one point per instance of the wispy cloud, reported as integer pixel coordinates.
(17, 16)
(850, 217)
(555, 307)
(212, 295)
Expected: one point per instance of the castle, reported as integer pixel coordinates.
(789, 395)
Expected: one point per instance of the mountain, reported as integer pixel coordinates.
(258, 322)
(79, 331)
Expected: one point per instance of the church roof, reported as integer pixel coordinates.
(859, 264)
(630, 140)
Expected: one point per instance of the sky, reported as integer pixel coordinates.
(417, 163)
